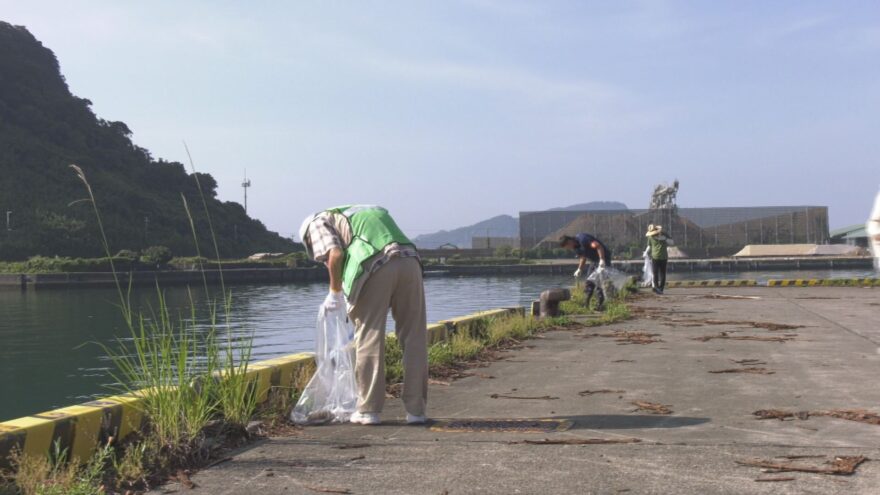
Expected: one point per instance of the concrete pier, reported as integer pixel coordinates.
(830, 361)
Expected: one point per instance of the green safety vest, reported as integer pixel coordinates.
(372, 229)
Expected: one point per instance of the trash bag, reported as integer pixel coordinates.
(331, 395)
(609, 281)
(648, 272)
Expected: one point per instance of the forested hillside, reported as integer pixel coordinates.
(44, 129)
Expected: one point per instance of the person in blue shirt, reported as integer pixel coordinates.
(588, 247)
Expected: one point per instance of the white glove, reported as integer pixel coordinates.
(334, 301)
(600, 268)
(602, 264)
(577, 273)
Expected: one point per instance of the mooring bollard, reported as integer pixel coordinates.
(548, 304)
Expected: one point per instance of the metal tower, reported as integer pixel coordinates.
(245, 185)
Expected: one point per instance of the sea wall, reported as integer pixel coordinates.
(317, 274)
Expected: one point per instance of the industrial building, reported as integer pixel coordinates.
(697, 231)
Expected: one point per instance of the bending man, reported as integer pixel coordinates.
(587, 247)
(376, 267)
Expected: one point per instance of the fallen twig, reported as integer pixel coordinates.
(626, 337)
(347, 446)
(844, 465)
(623, 361)
(751, 370)
(579, 441)
(773, 327)
(652, 407)
(585, 393)
(727, 336)
(503, 396)
(328, 490)
(789, 478)
(218, 461)
(725, 296)
(748, 362)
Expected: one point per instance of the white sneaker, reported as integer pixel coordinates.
(365, 418)
(415, 420)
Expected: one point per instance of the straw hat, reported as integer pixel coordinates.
(653, 230)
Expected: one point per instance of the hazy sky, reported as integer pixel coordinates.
(451, 111)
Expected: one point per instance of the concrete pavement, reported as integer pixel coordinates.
(830, 362)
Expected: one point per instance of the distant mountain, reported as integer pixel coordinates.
(44, 128)
(593, 206)
(500, 226)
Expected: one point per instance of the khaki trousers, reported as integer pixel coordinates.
(396, 285)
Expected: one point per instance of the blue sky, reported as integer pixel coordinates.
(449, 112)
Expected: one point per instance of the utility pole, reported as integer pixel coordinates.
(8, 220)
(245, 185)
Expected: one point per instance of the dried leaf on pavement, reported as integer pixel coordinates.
(652, 407)
(857, 415)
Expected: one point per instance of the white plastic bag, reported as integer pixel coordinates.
(609, 280)
(648, 272)
(331, 395)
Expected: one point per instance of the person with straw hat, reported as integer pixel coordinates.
(658, 245)
(374, 267)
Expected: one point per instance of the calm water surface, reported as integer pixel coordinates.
(49, 356)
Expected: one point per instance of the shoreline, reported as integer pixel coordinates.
(288, 275)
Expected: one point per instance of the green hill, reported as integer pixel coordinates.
(44, 129)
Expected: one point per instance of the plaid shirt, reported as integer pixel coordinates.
(330, 231)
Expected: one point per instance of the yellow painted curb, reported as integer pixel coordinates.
(829, 282)
(712, 283)
(81, 428)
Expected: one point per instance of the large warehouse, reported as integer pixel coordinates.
(697, 231)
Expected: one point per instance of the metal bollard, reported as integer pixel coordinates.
(549, 301)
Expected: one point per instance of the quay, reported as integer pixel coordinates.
(811, 349)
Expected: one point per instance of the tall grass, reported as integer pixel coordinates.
(186, 376)
(165, 363)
